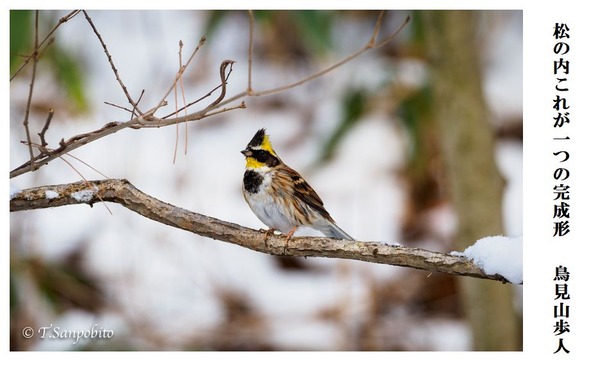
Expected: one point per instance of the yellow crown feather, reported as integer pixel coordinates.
(266, 145)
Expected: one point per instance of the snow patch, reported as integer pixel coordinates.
(498, 255)
(14, 191)
(51, 194)
(84, 196)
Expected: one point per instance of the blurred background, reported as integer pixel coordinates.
(418, 142)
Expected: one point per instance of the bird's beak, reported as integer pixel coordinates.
(246, 152)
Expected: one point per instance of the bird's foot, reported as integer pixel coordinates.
(288, 236)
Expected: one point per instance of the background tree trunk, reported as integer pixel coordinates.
(468, 150)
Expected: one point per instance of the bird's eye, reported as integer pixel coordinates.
(261, 155)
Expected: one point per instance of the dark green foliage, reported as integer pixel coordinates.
(65, 66)
(20, 36)
(354, 107)
(68, 72)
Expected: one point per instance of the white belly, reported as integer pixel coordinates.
(270, 212)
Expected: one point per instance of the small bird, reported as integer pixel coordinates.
(279, 196)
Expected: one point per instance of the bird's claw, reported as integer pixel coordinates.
(287, 238)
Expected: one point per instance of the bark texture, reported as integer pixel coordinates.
(124, 193)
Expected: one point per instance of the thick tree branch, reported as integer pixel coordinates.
(124, 193)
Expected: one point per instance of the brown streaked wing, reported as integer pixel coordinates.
(302, 190)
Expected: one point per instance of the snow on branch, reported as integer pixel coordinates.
(124, 193)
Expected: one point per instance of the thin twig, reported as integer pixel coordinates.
(183, 98)
(90, 185)
(156, 122)
(112, 65)
(42, 134)
(179, 74)
(224, 77)
(376, 29)
(87, 165)
(147, 120)
(250, 50)
(370, 45)
(38, 49)
(179, 81)
(73, 143)
(199, 99)
(137, 102)
(391, 36)
(30, 94)
(129, 110)
(242, 105)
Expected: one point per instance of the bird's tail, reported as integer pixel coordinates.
(332, 230)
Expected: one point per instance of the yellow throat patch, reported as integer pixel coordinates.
(252, 163)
